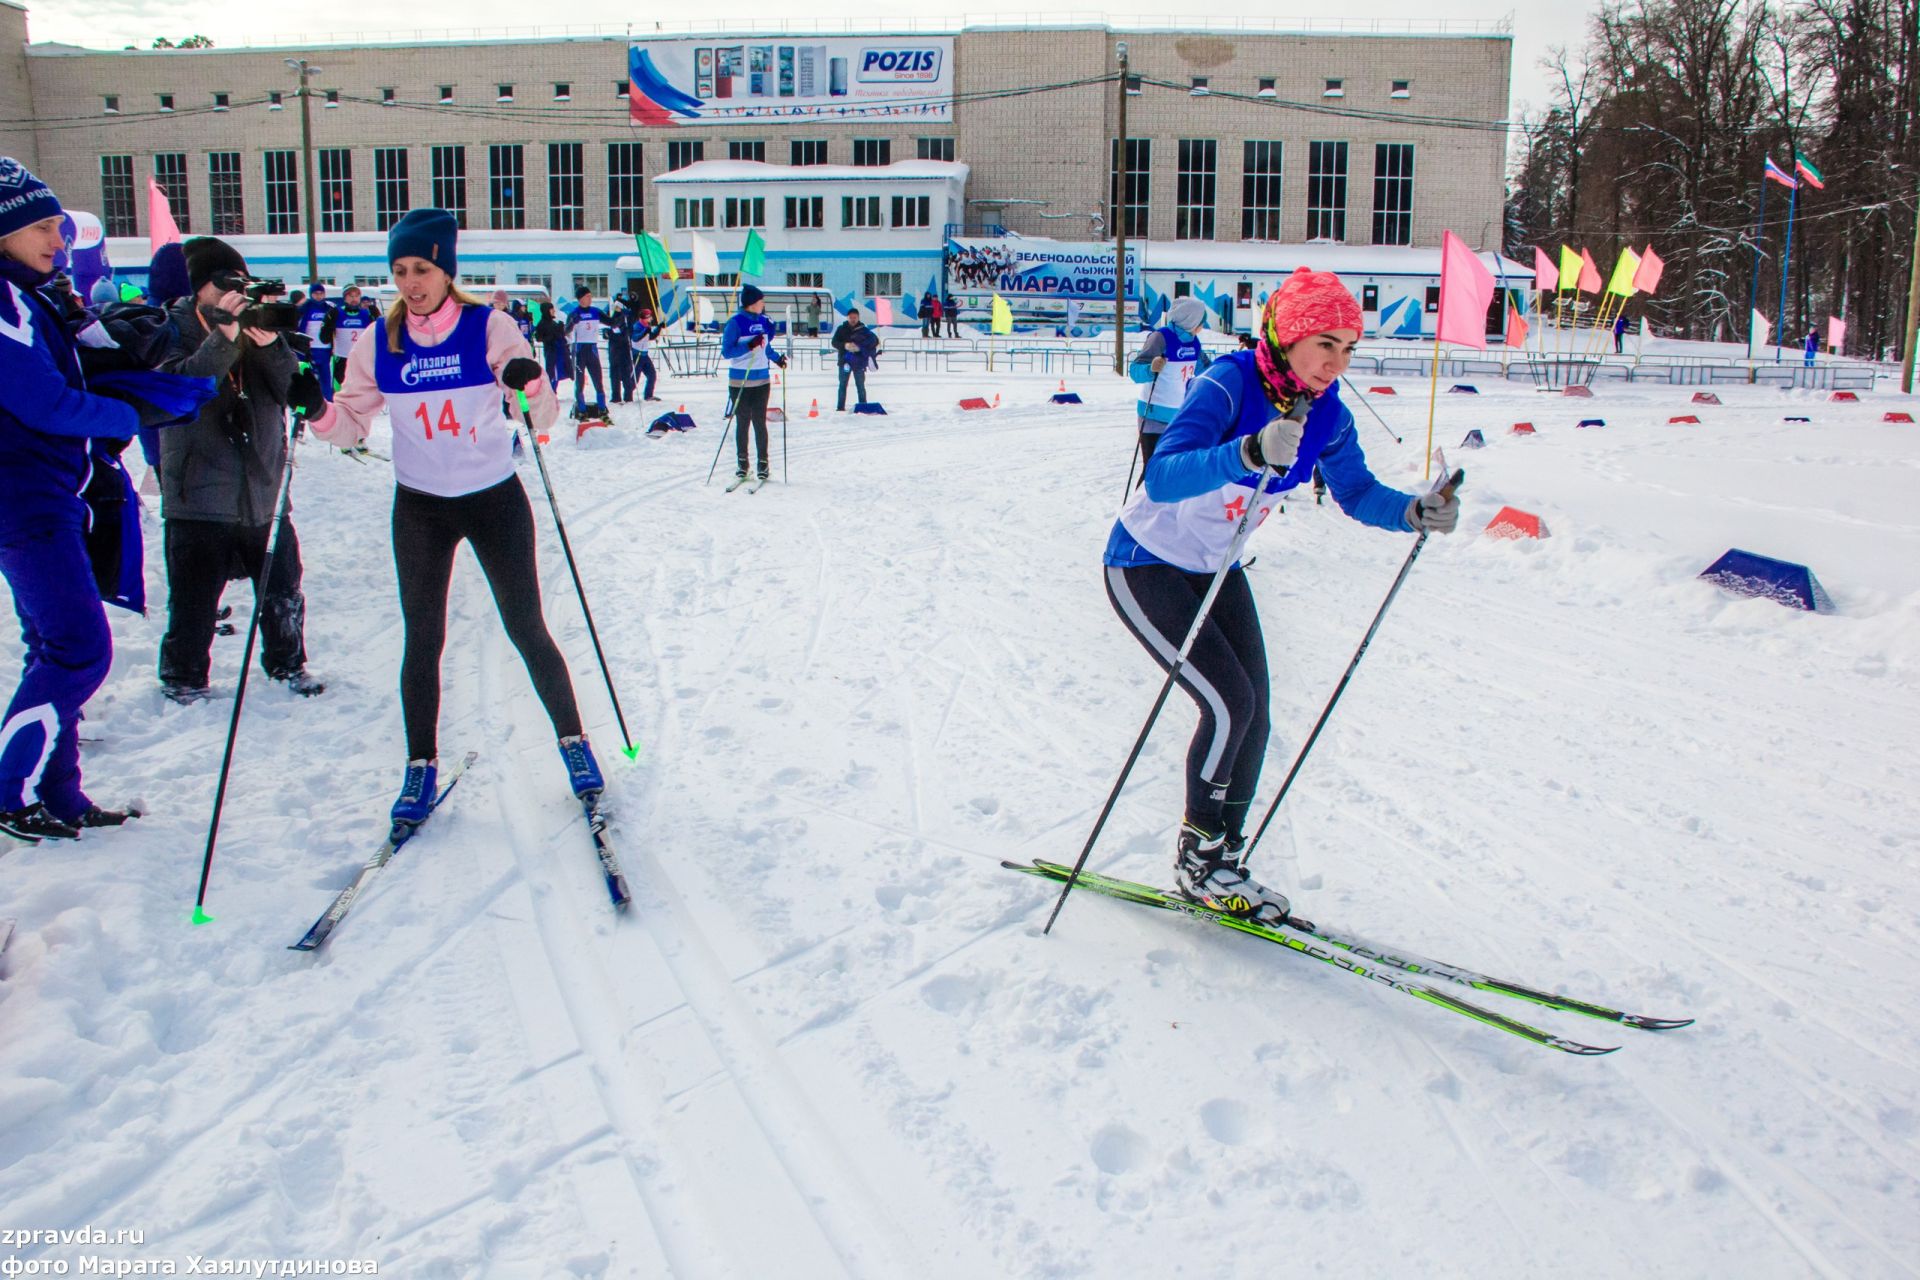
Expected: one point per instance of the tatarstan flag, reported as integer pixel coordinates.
(1804, 168)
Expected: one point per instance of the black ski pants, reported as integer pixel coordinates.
(750, 408)
(200, 557)
(498, 523)
(1225, 675)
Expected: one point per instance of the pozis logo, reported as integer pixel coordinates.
(891, 64)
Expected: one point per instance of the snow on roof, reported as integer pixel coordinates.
(755, 171)
(1341, 259)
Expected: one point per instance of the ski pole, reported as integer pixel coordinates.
(1370, 409)
(1458, 478)
(733, 398)
(546, 482)
(1140, 434)
(783, 412)
(200, 915)
(1249, 521)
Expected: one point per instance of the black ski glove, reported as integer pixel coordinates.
(520, 373)
(303, 393)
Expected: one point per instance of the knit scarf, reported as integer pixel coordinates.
(1277, 378)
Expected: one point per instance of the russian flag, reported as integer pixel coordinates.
(1779, 175)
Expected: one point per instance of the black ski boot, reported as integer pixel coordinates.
(34, 824)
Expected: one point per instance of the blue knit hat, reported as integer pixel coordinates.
(749, 295)
(167, 275)
(425, 233)
(24, 199)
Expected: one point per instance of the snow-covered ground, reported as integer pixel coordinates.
(829, 1039)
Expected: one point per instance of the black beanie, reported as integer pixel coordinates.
(207, 257)
(749, 295)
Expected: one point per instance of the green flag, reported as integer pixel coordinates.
(753, 258)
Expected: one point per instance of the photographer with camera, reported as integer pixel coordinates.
(220, 476)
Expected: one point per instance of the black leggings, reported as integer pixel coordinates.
(750, 409)
(498, 522)
(1225, 675)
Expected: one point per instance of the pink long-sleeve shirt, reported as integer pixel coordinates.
(358, 400)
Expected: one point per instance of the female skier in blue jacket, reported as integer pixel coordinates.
(1277, 406)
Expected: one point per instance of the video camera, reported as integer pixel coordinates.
(260, 312)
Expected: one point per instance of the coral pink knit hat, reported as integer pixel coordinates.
(1309, 302)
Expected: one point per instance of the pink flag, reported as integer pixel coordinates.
(1836, 334)
(1466, 291)
(1545, 274)
(160, 225)
(1647, 278)
(1589, 274)
(1516, 328)
(882, 311)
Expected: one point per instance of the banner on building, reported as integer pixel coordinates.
(1022, 267)
(707, 80)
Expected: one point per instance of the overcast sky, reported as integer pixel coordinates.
(114, 23)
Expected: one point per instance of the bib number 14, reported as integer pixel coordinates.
(448, 421)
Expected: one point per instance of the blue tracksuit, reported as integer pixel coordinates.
(48, 459)
(317, 314)
(747, 364)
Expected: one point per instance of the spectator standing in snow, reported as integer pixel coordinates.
(1619, 333)
(355, 315)
(857, 346)
(644, 332)
(318, 320)
(620, 351)
(551, 334)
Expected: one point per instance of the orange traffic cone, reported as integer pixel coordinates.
(996, 399)
(1063, 386)
(814, 411)
(682, 409)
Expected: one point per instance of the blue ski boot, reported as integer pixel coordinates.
(583, 772)
(416, 793)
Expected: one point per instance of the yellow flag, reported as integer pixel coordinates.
(673, 272)
(1623, 273)
(1002, 315)
(1569, 268)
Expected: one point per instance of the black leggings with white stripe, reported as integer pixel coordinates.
(1225, 675)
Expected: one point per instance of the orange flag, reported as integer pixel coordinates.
(1589, 274)
(1516, 328)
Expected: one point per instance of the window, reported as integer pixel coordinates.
(881, 284)
(1131, 194)
(741, 149)
(933, 148)
(274, 102)
(626, 187)
(1393, 193)
(912, 211)
(1198, 87)
(281, 170)
(116, 195)
(1327, 191)
(227, 192)
(859, 211)
(868, 152)
(726, 279)
(619, 88)
(1260, 191)
(563, 92)
(450, 181)
(545, 283)
(446, 93)
(112, 107)
(506, 193)
(333, 97)
(682, 154)
(1402, 89)
(222, 101)
(806, 212)
(478, 278)
(505, 94)
(170, 172)
(166, 102)
(386, 97)
(808, 152)
(1133, 86)
(806, 280)
(693, 213)
(392, 194)
(1194, 189)
(566, 187)
(1334, 89)
(746, 211)
(371, 282)
(336, 189)
(1267, 89)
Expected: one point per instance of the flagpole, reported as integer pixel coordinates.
(1786, 259)
(1753, 278)
(1433, 398)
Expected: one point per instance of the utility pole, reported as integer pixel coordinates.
(306, 160)
(1120, 227)
(1913, 308)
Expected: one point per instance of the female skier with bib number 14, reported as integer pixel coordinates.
(1277, 406)
(441, 361)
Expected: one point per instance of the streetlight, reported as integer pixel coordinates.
(306, 159)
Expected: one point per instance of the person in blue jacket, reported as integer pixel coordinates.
(1166, 364)
(1277, 407)
(746, 344)
(318, 320)
(67, 535)
(584, 323)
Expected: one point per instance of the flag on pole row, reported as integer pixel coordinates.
(1569, 268)
(1002, 315)
(161, 228)
(706, 259)
(1757, 333)
(1623, 274)
(1836, 334)
(1545, 274)
(1589, 273)
(753, 258)
(882, 313)
(1646, 278)
(1775, 173)
(1466, 291)
(1804, 169)
(654, 259)
(1516, 328)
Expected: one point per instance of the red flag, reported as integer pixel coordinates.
(1466, 291)
(1545, 274)
(161, 228)
(1589, 274)
(1516, 328)
(1647, 278)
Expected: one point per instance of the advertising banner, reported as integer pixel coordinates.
(715, 80)
(1030, 268)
